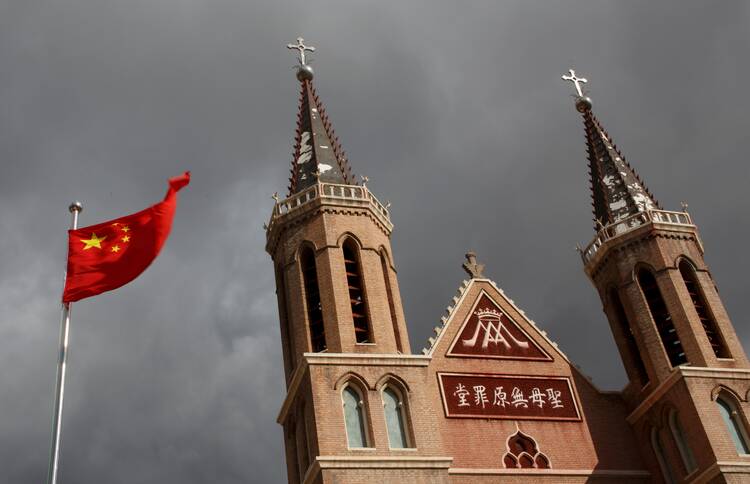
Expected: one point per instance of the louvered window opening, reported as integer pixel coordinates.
(627, 330)
(391, 304)
(356, 294)
(701, 307)
(662, 318)
(286, 329)
(312, 298)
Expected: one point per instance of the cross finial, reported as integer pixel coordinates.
(302, 48)
(275, 197)
(684, 206)
(472, 267)
(365, 179)
(577, 81)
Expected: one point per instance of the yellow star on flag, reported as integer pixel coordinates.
(126, 238)
(94, 241)
(115, 248)
(125, 229)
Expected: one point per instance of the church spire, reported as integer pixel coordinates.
(617, 191)
(317, 153)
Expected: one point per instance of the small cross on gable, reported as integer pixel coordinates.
(471, 266)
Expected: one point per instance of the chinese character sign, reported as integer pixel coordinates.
(489, 332)
(504, 396)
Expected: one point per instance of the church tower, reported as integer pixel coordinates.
(689, 378)
(339, 303)
(330, 243)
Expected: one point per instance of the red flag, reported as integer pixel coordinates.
(109, 255)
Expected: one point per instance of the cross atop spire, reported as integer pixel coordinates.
(301, 48)
(577, 81)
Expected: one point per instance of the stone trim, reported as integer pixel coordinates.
(366, 359)
(684, 372)
(373, 462)
(552, 472)
(382, 462)
(723, 467)
(291, 391)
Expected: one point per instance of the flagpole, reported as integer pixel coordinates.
(75, 208)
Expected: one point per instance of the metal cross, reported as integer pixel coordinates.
(471, 266)
(301, 47)
(575, 80)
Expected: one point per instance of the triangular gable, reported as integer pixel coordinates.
(490, 332)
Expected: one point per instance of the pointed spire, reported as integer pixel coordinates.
(317, 152)
(617, 191)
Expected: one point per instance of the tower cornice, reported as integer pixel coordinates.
(325, 197)
(637, 226)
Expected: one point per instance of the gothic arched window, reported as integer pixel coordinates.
(394, 409)
(734, 423)
(658, 447)
(354, 417)
(389, 291)
(312, 300)
(621, 319)
(686, 452)
(701, 307)
(286, 333)
(663, 320)
(356, 292)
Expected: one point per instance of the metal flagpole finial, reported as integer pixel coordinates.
(75, 207)
(583, 103)
(304, 71)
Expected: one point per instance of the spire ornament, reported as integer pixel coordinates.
(304, 71)
(583, 103)
(471, 266)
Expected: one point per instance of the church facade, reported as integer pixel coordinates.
(493, 399)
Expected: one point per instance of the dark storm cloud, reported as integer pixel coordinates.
(456, 113)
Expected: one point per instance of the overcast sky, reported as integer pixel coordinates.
(455, 111)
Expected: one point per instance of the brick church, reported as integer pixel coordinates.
(493, 399)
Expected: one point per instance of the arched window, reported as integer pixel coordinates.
(627, 331)
(701, 307)
(303, 456)
(661, 457)
(286, 333)
(354, 418)
(734, 423)
(389, 292)
(312, 299)
(356, 292)
(395, 418)
(682, 444)
(663, 320)
(523, 453)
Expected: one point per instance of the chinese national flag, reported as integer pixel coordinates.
(109, 255)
